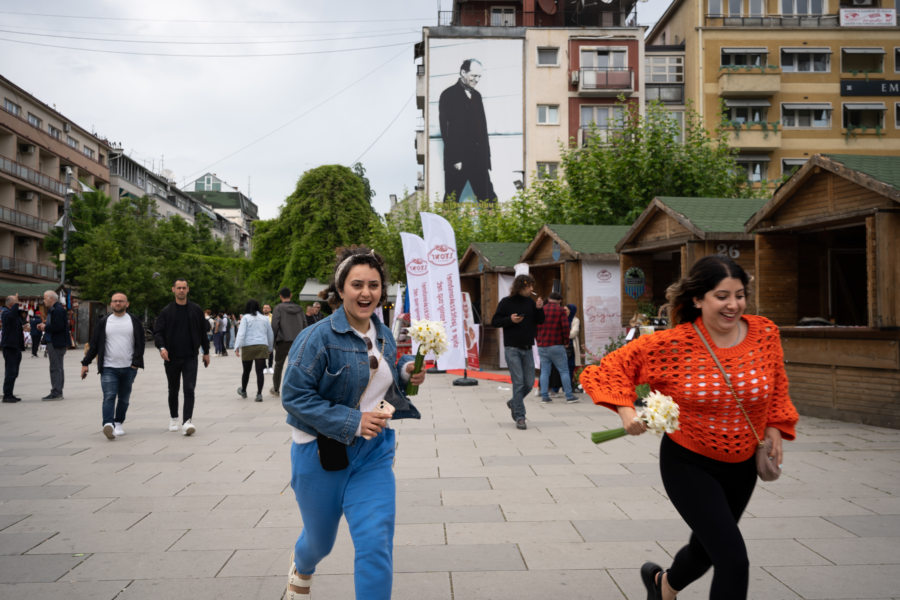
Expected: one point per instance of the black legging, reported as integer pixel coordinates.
(260, 378)
(710, 496)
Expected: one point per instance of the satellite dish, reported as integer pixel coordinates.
(548, 6)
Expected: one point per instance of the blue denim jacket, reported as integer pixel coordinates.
(327, 372)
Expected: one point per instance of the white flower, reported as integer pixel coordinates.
(430, 336)
(659, 413)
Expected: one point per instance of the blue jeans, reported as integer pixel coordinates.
(520, 363)
(556, 356)
(116, 382)
(364, 493)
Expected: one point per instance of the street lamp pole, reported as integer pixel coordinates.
(65, 224)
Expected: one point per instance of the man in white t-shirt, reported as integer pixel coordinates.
(118, 340)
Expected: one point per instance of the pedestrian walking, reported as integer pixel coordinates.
(288, 321)
(256, 339)
(36, 337)
(12, 340)
(178, 333)
(552, 337)
(118, 343)
(519, 317)
(56, 340)
(707, 466)
(267, 311)
(341, 387)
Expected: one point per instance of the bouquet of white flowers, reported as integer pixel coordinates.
(659, 412)
(431, 338)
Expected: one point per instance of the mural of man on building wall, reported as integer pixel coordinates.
(463, 126)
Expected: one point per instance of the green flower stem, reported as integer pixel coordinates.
(412, 390)
(598, 437)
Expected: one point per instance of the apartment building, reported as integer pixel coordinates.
(227, 201)
(785, 78)
(43, 155)
(549, 73)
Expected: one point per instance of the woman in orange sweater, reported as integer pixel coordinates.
(707, 466)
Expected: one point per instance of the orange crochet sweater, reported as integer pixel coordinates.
(675, 362)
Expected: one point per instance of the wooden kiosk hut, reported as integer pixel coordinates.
(828, 273)
(670, 235)
(480, 269)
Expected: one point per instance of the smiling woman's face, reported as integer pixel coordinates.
(360, 295)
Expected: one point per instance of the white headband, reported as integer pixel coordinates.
(344, 263)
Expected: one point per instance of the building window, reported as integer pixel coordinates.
(548, 57)
(858, 115)
(862, 60)
(802, 7)
(806, 116)
(55, 133)
(671, 94)
(896, 60)
(603, 118)
(746, 111)
(547, 170)
(11, 107)
(665, 69)
(744, 57)
(714, 8)
(897, 115)
(805, 60)
(503, 16)
(72, 142)
(596, 58)
(756, 8)
(734, 8)
(88, 152)
(548, 114)
(755, 167)
(34, 120)
(789, 165)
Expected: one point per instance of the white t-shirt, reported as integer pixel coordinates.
(119, 342)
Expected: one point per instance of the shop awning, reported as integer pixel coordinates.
(864, 105)
(806, 50)
(752, 158)
(745, 50)
(742, 102)
(862, 50)
(806, 105)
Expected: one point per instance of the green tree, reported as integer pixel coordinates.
(86, 211)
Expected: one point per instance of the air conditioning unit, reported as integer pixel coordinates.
(28, 196)
(575, 77)
(862, 2)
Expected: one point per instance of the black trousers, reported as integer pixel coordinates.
(260, 377)
(281, 353)
(710, 496)
(479, 179)
(36, 337)
(13, 358)
(178, 371)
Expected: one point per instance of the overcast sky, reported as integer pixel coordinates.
(256, 92)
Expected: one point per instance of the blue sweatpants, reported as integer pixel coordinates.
(365, 493)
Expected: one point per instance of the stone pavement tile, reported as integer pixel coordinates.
(761, 585)
(603, 529)
(505, 585)
(483, 557)
(589, 555)
(478, 513)
(444, 483)
(535, 482)
(280, 517)
(856, 551)
(234, 489)
(38, 492)
(29, 454)
(620, 477)
(87, 542)
(111, 488)
(258, 563)
(767, 528)
(766, 553)
(85, 522)
(207, 588)
(840, 582)
(149, 504)
(149, 565)
(243, 539)
(410, 472)
(805, 507)
(420, 534)
(281, 500)
(867, 526)
(640, 510)
(533, 459)
(493, 497)
(199, 519)
(171, 457)
(34, 477)
(561, 511)
(509, 471)
(581, 495)
(28, 568)
(91, 590)
(881, 506)
(429, 498)
(20, 543)
(11, 520)
(511, 533)
(823, 489)
(52, 506)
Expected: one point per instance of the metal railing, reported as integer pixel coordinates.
(11, 167)
(606, 78)
(812, 21)
(28, 267)
(98, 159)
(14, 217)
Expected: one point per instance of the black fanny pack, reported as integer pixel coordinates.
(332, 453)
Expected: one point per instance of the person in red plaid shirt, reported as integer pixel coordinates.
(552, 336)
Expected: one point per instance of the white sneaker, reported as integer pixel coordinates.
(118, 430)
(109, 431)
(174, 425)
(188, 428)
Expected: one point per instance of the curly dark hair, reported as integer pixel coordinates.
(705, 275)
(252, 307)
(520, 283)
(347, 258)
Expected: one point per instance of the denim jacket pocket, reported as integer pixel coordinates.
(333, 386)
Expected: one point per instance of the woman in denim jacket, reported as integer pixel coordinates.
(340, 389)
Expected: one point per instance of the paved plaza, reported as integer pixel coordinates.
(484, 511)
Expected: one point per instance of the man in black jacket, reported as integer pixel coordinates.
(13, 342)
(519, 317)
(56, 339)
(288, 321)
(179, 331)
(118, 341)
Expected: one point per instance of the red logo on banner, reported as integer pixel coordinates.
(417, 266)
(442, 255)
(603, 275)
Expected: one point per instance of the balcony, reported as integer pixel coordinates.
(11, 167)
(420, 146)
(604, 81)
(595, 135)
(26, 267)
(613, 14)
(25, 221)
(763, 136)
(420, 87)
(774, 21)
(748, 82)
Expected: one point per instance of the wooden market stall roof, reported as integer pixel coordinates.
(880, 175)
(578, 242)
(491, 256)
(668, 220)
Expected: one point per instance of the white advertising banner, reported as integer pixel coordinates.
(416, 276)
(868, 17)
(602, 304)
(443, 268)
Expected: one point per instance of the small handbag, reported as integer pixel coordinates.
(766, 467)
